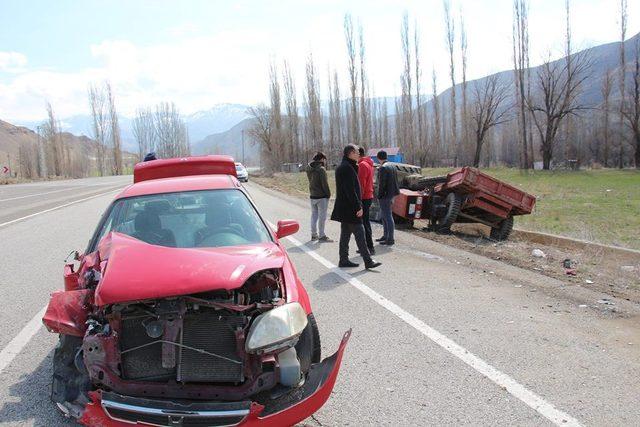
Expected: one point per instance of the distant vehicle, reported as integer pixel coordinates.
(185, 310)
(241, 171)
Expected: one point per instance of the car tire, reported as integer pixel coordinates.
(503, 230)
(308, 346)
(68, 381)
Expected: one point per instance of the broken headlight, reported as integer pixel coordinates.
(277, 328)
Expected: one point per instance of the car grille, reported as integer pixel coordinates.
(208, 352)
(163, 413)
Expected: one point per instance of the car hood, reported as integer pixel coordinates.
(133, 270)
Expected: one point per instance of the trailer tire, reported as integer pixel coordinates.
(453, 202)
(503, 230)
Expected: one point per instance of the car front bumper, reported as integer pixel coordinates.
(112, 410)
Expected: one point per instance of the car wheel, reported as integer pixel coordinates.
(68, 381)
(308, 346)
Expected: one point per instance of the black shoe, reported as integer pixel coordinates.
(347, 264)
(382, 239)
(372, 264)
(388, 242)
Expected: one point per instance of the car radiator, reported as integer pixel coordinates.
(206, 352)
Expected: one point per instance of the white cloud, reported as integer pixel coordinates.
(198, 69)
(12, 61)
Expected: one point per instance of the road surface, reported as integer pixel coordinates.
(440, 336)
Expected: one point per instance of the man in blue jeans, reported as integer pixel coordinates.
(387, 190)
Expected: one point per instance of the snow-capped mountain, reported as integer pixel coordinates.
(218, 119)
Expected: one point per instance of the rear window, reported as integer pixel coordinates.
(211, 218)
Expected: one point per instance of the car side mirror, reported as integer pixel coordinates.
(287, 227)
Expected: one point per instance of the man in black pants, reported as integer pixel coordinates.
(347, 210)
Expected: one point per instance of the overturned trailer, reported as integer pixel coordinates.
(465, 195)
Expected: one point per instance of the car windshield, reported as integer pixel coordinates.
(239, 168)
(207, 219)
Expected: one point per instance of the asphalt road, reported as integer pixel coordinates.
(440, 336)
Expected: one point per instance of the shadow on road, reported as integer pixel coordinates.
(31, 404)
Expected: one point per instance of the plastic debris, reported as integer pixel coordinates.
(606, 301)
(538, 253)
(588, 282)
(569, 268)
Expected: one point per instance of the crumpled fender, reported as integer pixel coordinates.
(67, 312)
(285, 411)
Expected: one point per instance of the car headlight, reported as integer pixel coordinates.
(277, 328)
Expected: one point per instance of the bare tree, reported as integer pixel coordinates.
(100, 125)
(262, 131)
(144, 131)
(293, 121)
(55, 144)
(558, 90)
(114, 131)
(631, 106)
(488, 110)
(365, 108)
(312, 106)
(276, 113)
(450, 40)
(607, 86)
(421, 135)
(437, 121)
(172, 139)
(520, 35)
(335, 129)
(465, 114)
(622, 81)
(406, 103)
(352, 116)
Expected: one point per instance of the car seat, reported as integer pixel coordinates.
(149, 229)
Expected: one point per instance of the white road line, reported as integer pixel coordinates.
(4, 224)
(16, 345)
(37, 194)
(516, 389)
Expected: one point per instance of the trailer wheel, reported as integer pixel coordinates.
(503, 230)
(453, 202)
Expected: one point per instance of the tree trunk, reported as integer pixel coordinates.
(476, 158)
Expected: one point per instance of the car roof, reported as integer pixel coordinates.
(182, 183)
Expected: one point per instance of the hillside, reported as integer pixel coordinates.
(230, 142)
(82, 150)
(604, 58)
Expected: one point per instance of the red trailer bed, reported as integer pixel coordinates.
(487, 193)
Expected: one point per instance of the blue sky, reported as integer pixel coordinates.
(199, 53)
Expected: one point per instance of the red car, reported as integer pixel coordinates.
(185, 310)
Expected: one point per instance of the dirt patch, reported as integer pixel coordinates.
(593, 270)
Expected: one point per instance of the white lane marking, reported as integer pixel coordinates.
(531, 399)
(57, 207)
(16, 345)
(37, 194)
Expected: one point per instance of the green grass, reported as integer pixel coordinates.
(596, 205)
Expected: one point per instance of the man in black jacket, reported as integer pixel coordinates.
(387, 190)
(347, 209)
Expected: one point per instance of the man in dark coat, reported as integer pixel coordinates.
(387, 190)
(347, 209)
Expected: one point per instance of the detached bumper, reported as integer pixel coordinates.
(112, 410)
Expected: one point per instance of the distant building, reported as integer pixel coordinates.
(393, 154)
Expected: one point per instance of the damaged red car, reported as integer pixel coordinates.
(185, 310)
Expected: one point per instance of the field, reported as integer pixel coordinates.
(597, 205)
